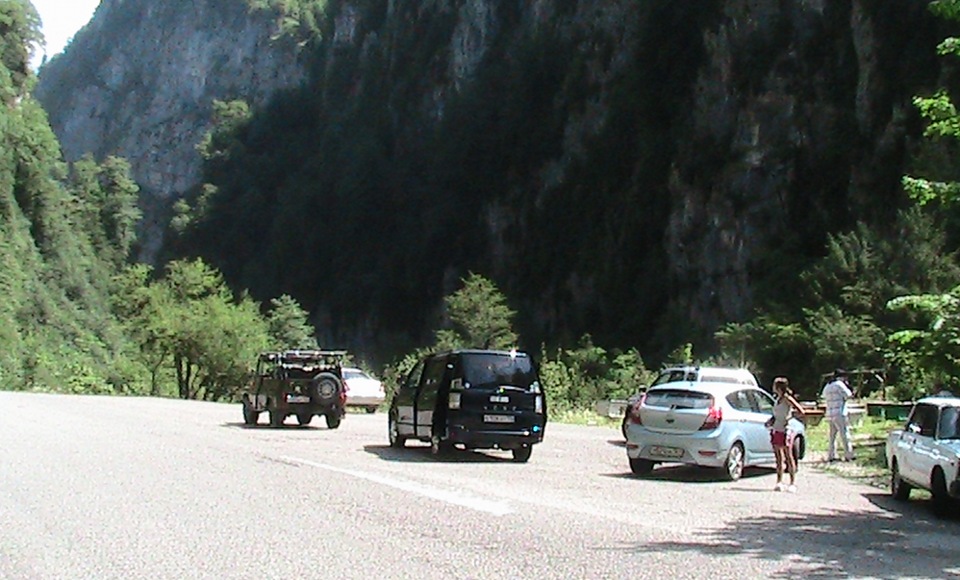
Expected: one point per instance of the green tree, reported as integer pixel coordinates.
(20, 37)
(478, 316)
(289, 325)
(190, 320)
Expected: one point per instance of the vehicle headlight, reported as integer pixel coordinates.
(454, 402)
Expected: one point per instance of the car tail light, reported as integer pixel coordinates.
(635, 411)
(538, 404)
(454, 401)
(714, 416)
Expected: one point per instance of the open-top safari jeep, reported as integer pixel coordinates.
(302, 383)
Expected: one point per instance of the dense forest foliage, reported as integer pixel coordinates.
(369, 207)
(351, 197)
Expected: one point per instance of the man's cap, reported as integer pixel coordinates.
(839, 373)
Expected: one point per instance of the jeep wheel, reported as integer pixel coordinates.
(393, 432)
(250, 416)
(304, 419)
(333, 419)
(276, 418)
(522, 454)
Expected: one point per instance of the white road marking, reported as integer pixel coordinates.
(494, 507)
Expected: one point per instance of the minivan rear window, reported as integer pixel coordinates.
(484, 370)
(678, 399)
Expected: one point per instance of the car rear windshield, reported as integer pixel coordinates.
(678, 399)
(484, 370)
(354, 374)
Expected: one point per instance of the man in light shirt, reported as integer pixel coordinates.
(835, 395)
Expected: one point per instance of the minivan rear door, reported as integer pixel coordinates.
(675, 410)
(497, 391)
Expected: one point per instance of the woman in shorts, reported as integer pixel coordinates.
(780, 436)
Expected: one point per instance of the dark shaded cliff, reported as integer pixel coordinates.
(643, 171)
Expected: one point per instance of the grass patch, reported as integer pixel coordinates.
(581, 416)
(869, 446)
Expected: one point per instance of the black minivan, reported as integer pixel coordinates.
(478, 399)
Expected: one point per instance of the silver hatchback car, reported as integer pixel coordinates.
(711, 418)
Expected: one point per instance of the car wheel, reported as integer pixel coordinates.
(798, 449)
(938, 489)
(899, 489)
(250, 416)
(522, 454)
(641, 466)
(333, 419)
(304, 419)
(276, 418)
(371, 410)
(733, 469)
(393, 432)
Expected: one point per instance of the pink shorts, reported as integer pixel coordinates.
(780, 439)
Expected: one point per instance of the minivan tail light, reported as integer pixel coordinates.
(714, 416)
(538, 404)
(454, 401)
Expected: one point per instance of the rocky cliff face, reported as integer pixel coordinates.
(140, 79)
(684, 142)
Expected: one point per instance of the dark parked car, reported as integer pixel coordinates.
(302, 383)
(477, 399)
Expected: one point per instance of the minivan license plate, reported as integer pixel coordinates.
(498, 418)
(666, 451)
(499, 399)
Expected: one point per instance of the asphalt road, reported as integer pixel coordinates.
(97, 487)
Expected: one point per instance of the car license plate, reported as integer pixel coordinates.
(298, 398)
(666, 451)
(498, 418)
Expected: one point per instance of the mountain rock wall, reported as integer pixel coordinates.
(139, 82)
(654, 159)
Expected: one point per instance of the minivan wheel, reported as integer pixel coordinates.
(734, 466)
(641, 466)
(397, 440)
(522, 454)
(439, 446)
(304, 419)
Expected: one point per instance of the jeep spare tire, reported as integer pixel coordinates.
(325, 387)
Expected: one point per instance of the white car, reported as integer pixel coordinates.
(926, 452)
(363, 390)
(706, 416)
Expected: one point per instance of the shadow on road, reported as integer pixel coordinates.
(267, 427)
(421, 454)
(690, 474)
(904, 541)
(617, 442)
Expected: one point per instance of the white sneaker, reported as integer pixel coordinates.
(779, 487)
(791, 489)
